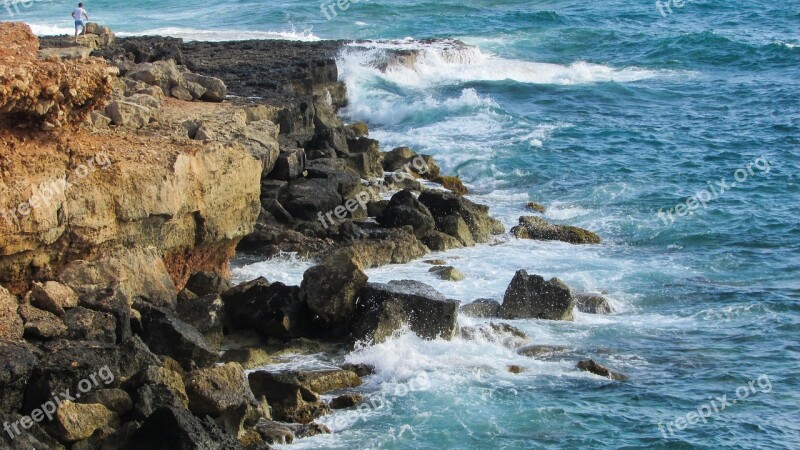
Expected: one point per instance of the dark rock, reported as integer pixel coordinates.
(453, 184)
(332, 288)
(404, 209)
(53, 296)
(277, 211)
(222, 392)
(166, 334)
(593, 304)
(362, 370)
(515, 368)
(530, 296)
(18, 359)
(537, 228)
(205, 283)
(290, 164)
(483, 308)
(538, 207)
(500, 333)
(346, 178)
(376, 208)
(88, 325)
(306, 198)
(41, 324)
(291, 399)
(536, 351)
(274, 432)
(438, 241)
(589, 365)
(274, 310)
(444, 204)
(248, 357)
(385, 308)
(178, 429)
(206, 314)
(112, 301)
(346, 401)
(366, 163)
(150, 397)
(34, 437)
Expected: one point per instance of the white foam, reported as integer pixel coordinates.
(287, 268)
(192, 34)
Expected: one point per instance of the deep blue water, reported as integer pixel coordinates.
(606, 112)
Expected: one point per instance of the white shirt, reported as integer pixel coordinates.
(79, 13)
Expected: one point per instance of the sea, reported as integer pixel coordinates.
(670, 128)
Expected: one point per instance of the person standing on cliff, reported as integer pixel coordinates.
(78, 14)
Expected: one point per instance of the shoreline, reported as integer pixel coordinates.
(149, 280)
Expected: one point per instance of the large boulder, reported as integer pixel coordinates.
(77, 421)
(19, 359)
(166, 334)
(290, 164)
(53, 296)
(332, 288)
(445, 205)
(164, 74)
(127, 114)
(593, 303)
(11, 326)
(205, 283)
(308, 198)
(206, 314)
(274, 310)
(88, 325)
(589, 365)
(385, 308)
(482, 308)
(531, 227)
(215, 89)
(41, 324)
(530, 296)
(404, 209)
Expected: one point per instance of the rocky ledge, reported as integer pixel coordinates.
(133, 169)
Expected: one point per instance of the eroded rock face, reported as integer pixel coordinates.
(385, 308)
(449, 210)
(11, 326)
(46, 94)
(530, 296)
(332, 288)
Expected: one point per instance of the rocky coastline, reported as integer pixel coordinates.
(131, 172)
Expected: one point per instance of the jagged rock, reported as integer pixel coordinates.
(401, 180)
(137, 273)
(537, 228)
(181, 93)
(290, 398)
(530, 296)
(178, 429)
(150, 397)
(438, 241)
(306, 198)
(290, 164)
(482, 308)
(116, 400)
(31, 88)
(332, 288)
(435, 262)
(406, 160)
(223, 393)
(453, 184)
(88, 325)
(64, 364)
(98, 120)
(455, 226)
(74, 421)
(538, 207)
(589, 365)
(53, 296)
(112, 301)
(216, 91)
(205, 283)
(447, 273)
(41, 324)
(359, 129)
(146, 100)
(593, 304)
(499, 333)
(515, 368)
(385, 308)
(153, 374)
(127, 114)
(274, 432)
(366, 163)
(166, 334)
(274, 310)
(444, 205)
(536, 351)
(11, 326)
(34, 437)
(346, 401)
(386, 246)
(206, 314)
(362, 370)
(19, 359)
(164, 74)
(404, 209)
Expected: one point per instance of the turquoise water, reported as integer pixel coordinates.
(606, 112)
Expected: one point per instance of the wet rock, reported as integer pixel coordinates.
(178, 429)
(332, 288)
(166, 334)
(385, 308)
(591, 366)
(435, 262)
(205, 283)
(19, 359)
(452, 184)
(359, 129)
(88, 325)
(272, 309)
(11, 326)
(593, 304)
(404, 209)
(249, 357)
(116, 400)
(346, 401)
(376, 208)
(362, 370)
(444, 205)
(537, 228)
(53, 296)
(308, 430)
(482, 308)
(290, 396)
(274, 432)
(530, 296)
(206, 314)
(515, 368)
(536, 207)
(40, 324)
(75, 421)
(500, 333)
(223, 393)
(438, 241)
(536, 351)
(447, 273)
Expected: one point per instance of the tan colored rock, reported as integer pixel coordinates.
(123, 113)
(215, 390)
(53, 296)
(75, 421)
(10, 322)
(447, 273)
(65, 54)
